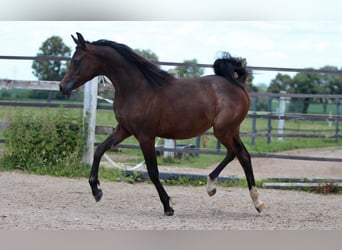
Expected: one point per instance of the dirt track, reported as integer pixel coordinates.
(32, 202)
(272, 167)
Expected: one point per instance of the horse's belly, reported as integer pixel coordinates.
(183, 131)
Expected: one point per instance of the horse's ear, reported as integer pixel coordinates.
(79, 41)
(75, 40)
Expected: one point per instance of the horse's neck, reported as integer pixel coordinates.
(125, 78)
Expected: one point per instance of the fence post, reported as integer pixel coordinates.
(169, 144)
(269, 120)
(254, 108)
(198, 142)
(337, 123)
(89, 117)
(281, 121)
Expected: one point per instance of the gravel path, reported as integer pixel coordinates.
(281, 168)
(30, 202)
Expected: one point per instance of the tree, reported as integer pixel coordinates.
(189, 70)
(51, 70)
(305, 83)
(331, 83)
(147, 54)
(308, 83)
(281, 82)
(250, 86)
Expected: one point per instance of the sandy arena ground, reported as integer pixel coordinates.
(30, 202)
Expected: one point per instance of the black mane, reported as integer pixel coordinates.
(155, 76)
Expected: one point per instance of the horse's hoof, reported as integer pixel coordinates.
(169, 212)
(211, 189)
(98, 196)
(212, 192)
(260, 207)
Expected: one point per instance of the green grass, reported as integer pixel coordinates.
(106, 117)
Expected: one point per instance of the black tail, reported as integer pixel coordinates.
(232, 68)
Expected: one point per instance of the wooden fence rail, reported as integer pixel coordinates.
(200, 65)
(253, 114)
(259, 133)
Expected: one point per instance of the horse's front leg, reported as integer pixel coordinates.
(117, 136)
(148, 149)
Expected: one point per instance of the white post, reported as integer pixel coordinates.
(169, 143)
(330, 119)
(89, 116)
(281, 122)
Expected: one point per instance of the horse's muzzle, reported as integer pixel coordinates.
(65, 90)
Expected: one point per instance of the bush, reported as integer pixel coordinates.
(48, 143)
(5, 94)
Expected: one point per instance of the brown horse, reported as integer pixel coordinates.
(150, 103)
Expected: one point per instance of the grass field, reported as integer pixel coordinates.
(106, 117)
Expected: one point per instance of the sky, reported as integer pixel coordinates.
(290, 44)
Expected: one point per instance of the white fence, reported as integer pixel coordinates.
(89, 105)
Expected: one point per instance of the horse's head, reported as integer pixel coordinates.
(82, 68)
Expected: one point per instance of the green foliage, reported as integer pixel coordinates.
(185, 181)
(51, 70)
(4, 94)
(281, 82)
(148, 54)
(189, 70)
(41, 95)
(44, 143)
(307, 83)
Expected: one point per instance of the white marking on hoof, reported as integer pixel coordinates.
(211, 189)
(259, 205)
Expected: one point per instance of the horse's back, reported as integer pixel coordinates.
(214, 89)
(189, 107)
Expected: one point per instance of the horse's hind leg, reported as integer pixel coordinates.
(148, 149)
(227, 140)
(245, 161)
(212, 177)
(118, 135)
